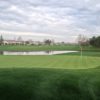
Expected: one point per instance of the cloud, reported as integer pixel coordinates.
(51, 18)
(31, 34)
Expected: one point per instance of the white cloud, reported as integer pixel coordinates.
(51, 18)
(30, 34)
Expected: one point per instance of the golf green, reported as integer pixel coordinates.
(53, 61)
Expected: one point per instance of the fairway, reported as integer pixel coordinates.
(54, 61)
(67, 76)
(45, 48)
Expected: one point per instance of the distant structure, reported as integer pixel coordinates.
(17, 42)
(20, 41)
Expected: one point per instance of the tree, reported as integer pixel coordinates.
(95, 41)
(92, 40)
(1, 40)
(19, 39)
(82, 40)
(48, 42)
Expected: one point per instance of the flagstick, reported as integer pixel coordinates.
(81, 54)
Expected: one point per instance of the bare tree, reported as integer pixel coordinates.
(82, 41)
(19, 38)
(47, 42)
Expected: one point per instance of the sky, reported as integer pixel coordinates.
(60, 20)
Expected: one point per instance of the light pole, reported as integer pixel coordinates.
(81, 50)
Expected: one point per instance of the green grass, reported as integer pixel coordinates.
(84, 53)
(55, 61)
(37, 48)
(44, 47)
(56, 77)
(49, 84)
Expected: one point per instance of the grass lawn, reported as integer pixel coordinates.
(49, 84)
(37, 48)
(55, 61)
(44, 48)
(55, 77)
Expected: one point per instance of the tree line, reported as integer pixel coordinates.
(93, 41)
(82, 41)
(46, 41)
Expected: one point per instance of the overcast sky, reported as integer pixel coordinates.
(62, 20)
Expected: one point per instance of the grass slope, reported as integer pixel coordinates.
(49, 84)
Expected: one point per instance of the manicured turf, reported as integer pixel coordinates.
(84, 53)
(44, 48)
(57, 77)
(55, 61)
(37, 48)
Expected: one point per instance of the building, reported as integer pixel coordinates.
(12, 42)
(17, 42)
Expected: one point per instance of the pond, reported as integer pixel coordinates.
(34, 52)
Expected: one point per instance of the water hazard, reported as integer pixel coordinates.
(34, 52)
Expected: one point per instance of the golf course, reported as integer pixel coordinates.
(49, 49)
(67, 76)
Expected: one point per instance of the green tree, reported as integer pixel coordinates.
(95, 41)
(1, 40)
